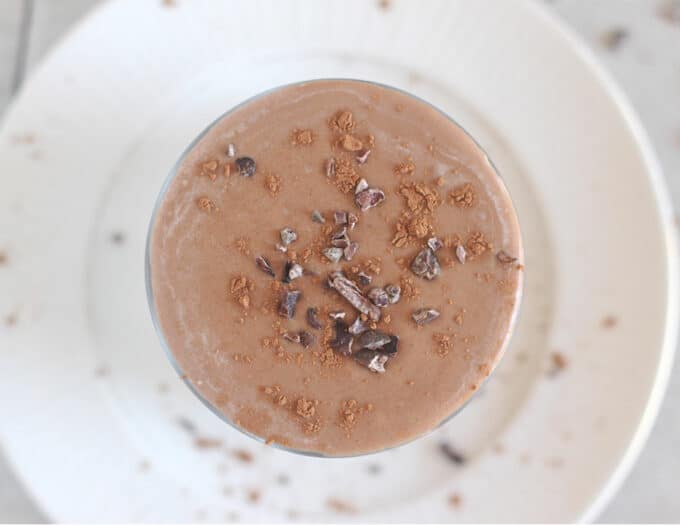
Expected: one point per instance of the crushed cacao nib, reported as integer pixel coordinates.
(352, 220)
(358, 326)
(339, 237)
(340, 217)
(313, 318)
(337, 314)
(364, 278)
(263, 264)
(318, 217)
(246, 166)
(292, 337)
(288, 236)
(362, 157)
(391, 347)
(333, 254)
(426, 265)
(352, 294)
(434, 243)
(372, 359)
(379, 297)
(350, 251)
(292, 271)
(361, 186)
(451, 453)
(461, 254)
(505, 258)
(231, 150)
(372, 340)
(289, 300)
(425, 315)
(281, 248)
(369, 198)
(307, 339)
(393, 293)
(342, 342)
(329, 168)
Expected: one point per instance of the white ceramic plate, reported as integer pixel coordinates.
(93, 417)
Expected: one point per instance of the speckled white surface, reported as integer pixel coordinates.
(646, 63)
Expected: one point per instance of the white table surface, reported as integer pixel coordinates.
(646, 63)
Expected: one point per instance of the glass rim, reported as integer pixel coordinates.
(159, 330)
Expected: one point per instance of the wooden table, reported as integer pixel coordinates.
(638, 41)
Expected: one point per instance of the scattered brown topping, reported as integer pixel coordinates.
(350, 411)
(435, 243)
(670, 11)
(273, 184)
(351, 143)
(318, 217)
(504, 258)
(243, 245)
(343, 174)
(342, 121)
(451, 453)
(408, 290)
(425, 315)
(209, 169)
(416, 222)
(476, 245)
(263, 264)
(333, 254)
(207, 443)
(384, 4)
(461, 253)
(393, 292)
(254, 496)
(369, 198)
(4, 258)
(292, 271)
(289, 300)
(408, 167)
(353, 295)
(341, 507)
(116, 238)
(342, 341)
(379, 297)
(362, 185)
(242, 358)
(455, 500)
(205, 204)
(558, 362)
(458, 318)
(462, 196)
(304, 408)
(243, 455)
(609, 322)
(240, 289)
(443, 343)
(301, 137)
(288, 236)
(307, 339)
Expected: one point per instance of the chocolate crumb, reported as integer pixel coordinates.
(379, 297)
(231, 150)
(243, 455)
(476, 245)
(362, 157)
(558, 363)
(461, 253)
(455, 500)
(342, 121)
(116, 238)
(408, 167)
(352, 294)
(288, 236)
(362, 185)
(246, 166)
(369, 198)
(372, 359)
(273, 184)
(434, 243)
(289, 300)
(254, 496)
(264, 265)
(205, 204)
(302, 137)
(358, 326)
(609, 322)
(318, 217)
(313, 318)
(351, 143)
(614, 38)
(333, 254)
(426, 265)
(462, 196)
(425, 315)
(342, 342)
(207, 443)
(504, 258)
(393, 293)
(670, 11)
(451, 453)
(292, 271)
(340, 506)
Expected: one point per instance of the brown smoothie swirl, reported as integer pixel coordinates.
(335, 267)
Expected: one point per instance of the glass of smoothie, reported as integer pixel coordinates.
(334, 267)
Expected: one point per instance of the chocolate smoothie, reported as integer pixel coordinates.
(335, 267)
